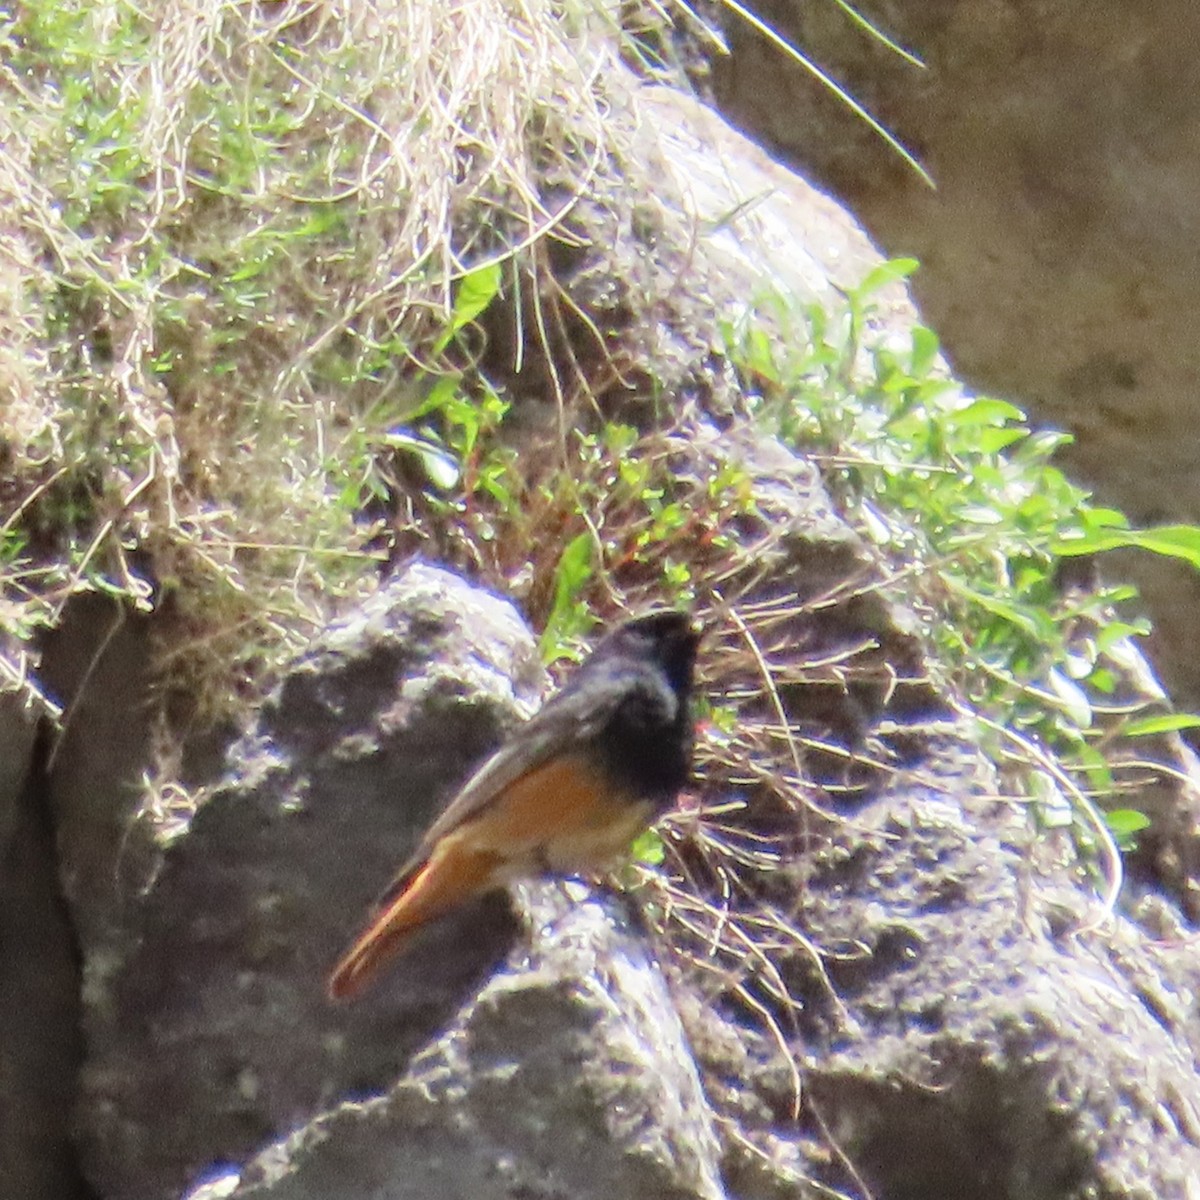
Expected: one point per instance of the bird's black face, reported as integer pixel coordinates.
(668, 638)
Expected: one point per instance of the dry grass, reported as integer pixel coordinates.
(233, 232)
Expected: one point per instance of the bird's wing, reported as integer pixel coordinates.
(566, 721)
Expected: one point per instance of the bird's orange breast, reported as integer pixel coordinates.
(565, 815)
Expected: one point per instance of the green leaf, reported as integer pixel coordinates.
(568, 617)
(1168, 723)
(1093, 763)
(1169, 541)
(1097, 518)
(475, 292)
(894, 271)
(1118, 631)
(648, 848)
(1125, 822)
(980, 514)
(983, 411)
(439, 396)
(760, 355)
(999, 608)
(574, 567)
(997, 438)
(925, 349)
(1175, 541)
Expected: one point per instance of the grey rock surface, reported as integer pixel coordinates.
(39, 985)
(756, 226)
(97, 665)
(18, 727)
(979, 1027)
(1010, 1039)
(208, 1029)
(568, 1075)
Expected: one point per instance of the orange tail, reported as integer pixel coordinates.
(451, 877)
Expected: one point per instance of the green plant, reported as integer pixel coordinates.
(235, 242)
(965, 500)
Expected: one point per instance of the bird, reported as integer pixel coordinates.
(566, 793)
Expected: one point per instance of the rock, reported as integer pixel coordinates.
(98, 665)
(18, 729)
(39, 979)
(739, 209)
(210, 1036)
(208, 1028)
(995, 1033)
(568, 1075)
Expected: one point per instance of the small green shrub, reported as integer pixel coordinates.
(965, 501)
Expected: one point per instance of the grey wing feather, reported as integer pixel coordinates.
(571, 717)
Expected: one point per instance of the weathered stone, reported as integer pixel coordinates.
(568, 1075)
(208, 1028)
(995, 1033)
(39, 979)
